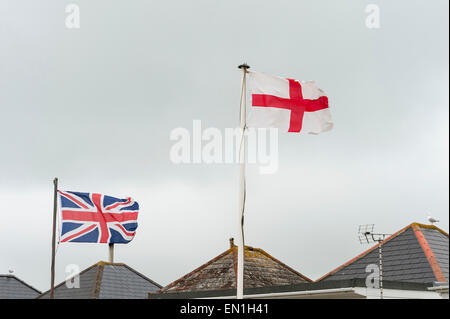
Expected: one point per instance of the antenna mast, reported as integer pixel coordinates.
(367, 236)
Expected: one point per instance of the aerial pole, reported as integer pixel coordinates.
(380, 259)
(367, 236)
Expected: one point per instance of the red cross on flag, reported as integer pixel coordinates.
(290, 105)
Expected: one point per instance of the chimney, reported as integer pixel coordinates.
(231, 242)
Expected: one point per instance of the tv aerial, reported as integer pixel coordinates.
(367, 236)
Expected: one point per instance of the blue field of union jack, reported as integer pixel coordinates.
(97, 218)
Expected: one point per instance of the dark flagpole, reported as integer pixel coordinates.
(55, 194)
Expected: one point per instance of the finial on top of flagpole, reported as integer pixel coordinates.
(231, 242)
(244, 66)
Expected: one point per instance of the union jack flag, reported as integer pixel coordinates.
(97, 218)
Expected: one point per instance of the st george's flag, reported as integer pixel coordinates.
(97, 218)
(287, 104)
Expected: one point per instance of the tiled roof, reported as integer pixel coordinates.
(310, 290)
(12, 287)
(107, 281)
(416, 253)
(260, 270)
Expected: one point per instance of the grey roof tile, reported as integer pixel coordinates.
(121, 282)
(403, 258)
(107, 281)
(12, 287)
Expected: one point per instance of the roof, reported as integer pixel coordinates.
(309, 288)
(260, 270)
(416, 253)
(107, 281)
(12, 287)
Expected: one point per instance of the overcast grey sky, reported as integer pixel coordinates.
(95, 107)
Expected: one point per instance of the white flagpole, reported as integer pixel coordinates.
(241, 245)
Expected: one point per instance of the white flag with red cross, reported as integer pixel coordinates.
(289, 105)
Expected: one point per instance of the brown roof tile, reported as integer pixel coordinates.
(260, 270)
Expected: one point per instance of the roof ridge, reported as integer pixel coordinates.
(430, 227)
(437, 271)
(365, 252)
(283, 264)
(107, 263)
(98, 280)
(143, 276)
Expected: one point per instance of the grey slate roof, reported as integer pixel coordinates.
(407, 257)
(107, 281)
(12, 287)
